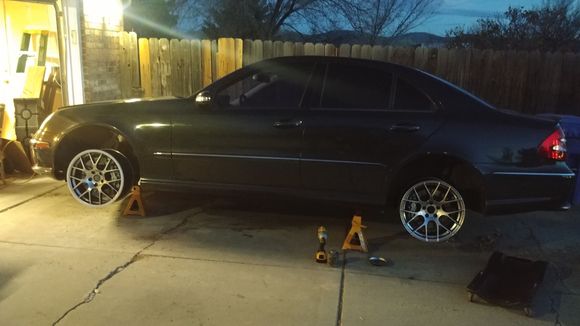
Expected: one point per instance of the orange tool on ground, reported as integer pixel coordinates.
(355, 230)
(135, 204)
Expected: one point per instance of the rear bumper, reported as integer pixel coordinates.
(525, 191)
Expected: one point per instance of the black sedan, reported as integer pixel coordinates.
(355, 131)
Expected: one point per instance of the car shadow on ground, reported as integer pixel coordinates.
(262, 227)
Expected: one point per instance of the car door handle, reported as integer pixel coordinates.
(285, 124)
(404, 127)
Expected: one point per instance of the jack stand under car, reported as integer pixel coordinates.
(135, 204)
(508, 281)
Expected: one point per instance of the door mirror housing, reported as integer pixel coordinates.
(203, 99)
(262, 78)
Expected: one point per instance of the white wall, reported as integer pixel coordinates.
(72, 46)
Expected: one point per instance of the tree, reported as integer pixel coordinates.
(266, 16)
(391, 18)
(553, 26)
(234, 18)
(150, 18)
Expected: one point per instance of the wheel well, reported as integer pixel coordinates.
(87, 137)
(457, 172)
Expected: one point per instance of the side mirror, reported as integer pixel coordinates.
(262, 78)
(203, 99)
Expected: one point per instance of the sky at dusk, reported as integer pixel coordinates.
(466, 12)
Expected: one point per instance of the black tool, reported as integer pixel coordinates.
(321, 256)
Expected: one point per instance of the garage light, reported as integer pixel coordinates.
(110, 11)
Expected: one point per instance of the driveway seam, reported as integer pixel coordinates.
(91, 296)
(341, 291)
(29, 199)
(235, 262)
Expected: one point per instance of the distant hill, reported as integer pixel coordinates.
(352, 37)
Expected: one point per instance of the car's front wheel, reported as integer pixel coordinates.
(98, 177)
(432, 210)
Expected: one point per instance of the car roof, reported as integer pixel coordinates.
(333, 59)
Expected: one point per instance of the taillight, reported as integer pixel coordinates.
(554, 147)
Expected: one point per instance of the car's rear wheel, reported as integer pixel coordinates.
(432, 210)
(98, 177)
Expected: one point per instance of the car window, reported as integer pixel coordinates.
(272, 87)
(409, 98)
(355, 87)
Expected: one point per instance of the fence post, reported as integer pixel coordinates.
(267, 46)
(299, 48)
(155, 67)
(196, 62)
(257, 51)
(145, 67)
(319, 49)
(309, 49)
(247, 53)
(344, 50)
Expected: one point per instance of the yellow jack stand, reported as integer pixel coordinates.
(136, 201)
(356, 229)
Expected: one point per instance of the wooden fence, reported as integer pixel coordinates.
(530, 82)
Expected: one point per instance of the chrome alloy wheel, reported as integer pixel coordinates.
(95, 178)
(432, 211)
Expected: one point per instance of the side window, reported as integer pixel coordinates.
(355, 87)
(409, 98)
(277, 87)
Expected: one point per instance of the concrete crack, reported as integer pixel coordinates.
(341, 291)
(30, 199)
(557, 269)
(96, 290)
(555, 311)
(535, 239)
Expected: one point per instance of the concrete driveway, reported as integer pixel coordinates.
(204, 261)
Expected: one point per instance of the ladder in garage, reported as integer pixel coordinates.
(25, 52)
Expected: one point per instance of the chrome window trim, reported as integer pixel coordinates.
(543, 174)
(251, 157)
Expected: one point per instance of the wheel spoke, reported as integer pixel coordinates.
(107, 165)
(426, 188)
(446, 194)
(443, 226)
(437, 187)
(110, 186)
(424, 224)
(453, 220)
(412, 218)
(416, 193)
(78, 185)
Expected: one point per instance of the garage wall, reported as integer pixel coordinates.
(101, 25)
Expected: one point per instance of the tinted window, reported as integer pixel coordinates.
(271, 87)
(355, 87)
(410, 98)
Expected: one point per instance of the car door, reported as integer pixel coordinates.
(365, 120)
(251, 134)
